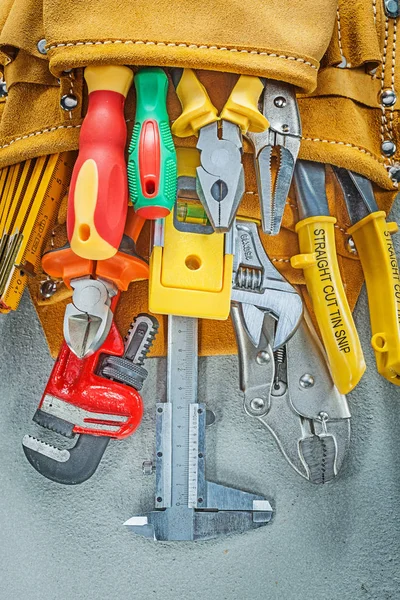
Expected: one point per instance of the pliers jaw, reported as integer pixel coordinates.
(88, 318)
(220, 177)
(282, 139)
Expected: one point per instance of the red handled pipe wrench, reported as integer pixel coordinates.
(96, 398)
(93, 394)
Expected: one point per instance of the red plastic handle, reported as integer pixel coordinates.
(98, 198)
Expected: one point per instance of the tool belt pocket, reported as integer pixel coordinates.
(354, 109)
(254, 38)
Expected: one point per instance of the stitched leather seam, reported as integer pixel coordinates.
(339, 31)
(189, 46)
(392, 70)
(35, 133)
(348, 144)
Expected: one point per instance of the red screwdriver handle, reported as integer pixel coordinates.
(98, 197)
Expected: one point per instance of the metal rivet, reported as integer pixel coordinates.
(48, 288)
(323, 416)
(3, 89)
(280, 101)
(394, 172)
(391, 8)
(69, 102)
(263, 358)
(388, 148)
(388, 98)
(41, 46)
(350, 245)
(343, 63)
(257, 404)
(307, 381)
(285, 128)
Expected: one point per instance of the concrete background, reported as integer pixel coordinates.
(337, 542)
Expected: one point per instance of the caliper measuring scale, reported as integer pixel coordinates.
(187, 506)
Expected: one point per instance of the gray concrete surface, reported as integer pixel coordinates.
(337, 542)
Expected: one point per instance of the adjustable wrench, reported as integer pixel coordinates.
(261, 289)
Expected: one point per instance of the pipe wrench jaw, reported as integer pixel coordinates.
(220, 177)
(88, 318)
(259, 287)
(93, 399)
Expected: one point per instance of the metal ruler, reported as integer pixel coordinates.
(29, 205)
(187, 506)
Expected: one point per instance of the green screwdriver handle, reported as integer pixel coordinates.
(152, 165)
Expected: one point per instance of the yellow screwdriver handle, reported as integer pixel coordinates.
(241, 107)
(374, 245)
(197, 108)
(332, 311)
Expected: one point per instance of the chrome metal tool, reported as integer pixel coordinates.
(88, 319)
(290, 391)
(279, 105)
(220, 178)
(261, 289)
(187, 506)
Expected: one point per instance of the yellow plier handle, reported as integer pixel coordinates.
(318, 259)
(372, 237)
(197, 108)
(198, 111)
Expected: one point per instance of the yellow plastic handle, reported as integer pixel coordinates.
(375, 248)
(108, 77)
(332, 311)
(197, 109)
(241, 107)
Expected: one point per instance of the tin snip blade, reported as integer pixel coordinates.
(279, 106)
(290, 391)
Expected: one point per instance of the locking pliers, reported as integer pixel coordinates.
(291, 392)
